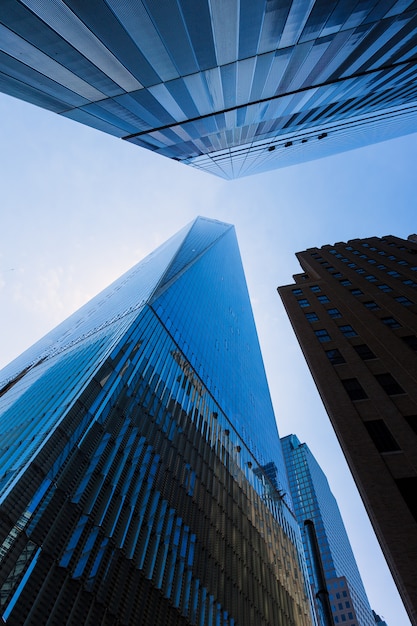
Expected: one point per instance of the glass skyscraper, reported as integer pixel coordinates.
(314, 502)
(142, 478)
(232, 87)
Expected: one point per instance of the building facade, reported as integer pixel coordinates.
(133, 441)
(314, 502)
(232, 87)
(354, 312)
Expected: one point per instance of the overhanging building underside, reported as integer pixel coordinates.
(233, 88)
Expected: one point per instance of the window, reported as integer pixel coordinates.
(404, 301)
(411, 341)
(382, 267)
(403, 263)
(371, 305)
(391, 322)
(312, 317)
(384, 287)
(303, 302)
(371, 261)
(354, 389)
(389, 384)
(322, 335)
(364, 352)
(352, 265)
(330, 269)
(408, 489)
(409, 282)
(315, 288)
(382, 253)
(350, 614)
(347, 330)
(345, 282)
(373, 249)
(382, 438)
(335, 357)
(412, 422)
(340, 606)
(360, 270)
(337, 275)
(371, 278)
(297, 292)
(334, 313)
(394, 273)
(323, 299)
(414, 268)
(356, 292)
(392, 257)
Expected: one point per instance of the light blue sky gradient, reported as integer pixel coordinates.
(78, 208)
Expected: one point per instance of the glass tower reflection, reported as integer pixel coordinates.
(233, 88)
(134, 439)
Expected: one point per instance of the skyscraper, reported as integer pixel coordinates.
(133, 442)
(314, 502)
(354, 313)
(233, 87)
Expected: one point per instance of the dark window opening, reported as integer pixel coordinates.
(389, 384)
(408, 490)
(347, 330)
(322, 335)
(354, 389)
(364, 352)
(412, 422)
(371, 305)
(411, 341)
(335, 357)
(381, 436)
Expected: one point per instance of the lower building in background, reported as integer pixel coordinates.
(354, 311)
(315, 504)
(138, 442)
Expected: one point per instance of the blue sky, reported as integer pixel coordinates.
(78, 208)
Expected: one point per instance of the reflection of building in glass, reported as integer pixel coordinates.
(128, 493)
(354, 311)
(233, 88)
(314, 502)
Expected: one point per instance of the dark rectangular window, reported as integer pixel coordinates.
(315, 288)
(403, 263)
(391, 322)
(334, 313)
(347, 330)
(409, 282)
(322, 335)
(371, 261)
(360, 270)
(384, 287)
(389, 384)
(364, 352)
(408, 490)
(371, 305)
(352, 265)
(394, 273)
(404, 301)
(337, 275)
(335, 357)
(382, 267)
(297, 292)
(354, 389)
(323, 299)
(312, 317)
(371, 278)
(411, 341)
(381, 436)
(412, 422)
(303, 302)
(345, 282)
(356, 292)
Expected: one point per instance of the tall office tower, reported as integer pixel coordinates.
(233, 87)
(133, 441)
(379, 621)
(354, 311)
(314, 502)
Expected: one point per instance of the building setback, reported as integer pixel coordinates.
(354, 313)
(232, 87)
(133, 440)
(314, 502)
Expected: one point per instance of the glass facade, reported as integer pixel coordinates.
(314, 501)
(142, 475)
(233, 88)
